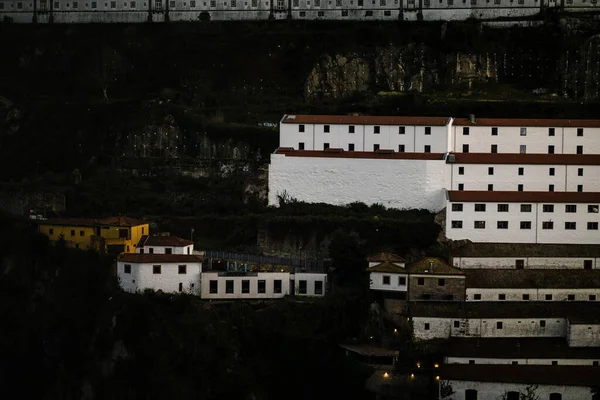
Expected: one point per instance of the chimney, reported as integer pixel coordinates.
(472, 118)
(431, 266)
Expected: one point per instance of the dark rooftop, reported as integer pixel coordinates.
(381, 257)
(387, 267)
(170, 241)
(432, 265)
(528, 374)
(110, 221)
(363, 120)
(526, 250)
(576, 312)
(525, 197)
(533, 278)
(544, 348)
(522, 159)
(359, 154)
(526, 122)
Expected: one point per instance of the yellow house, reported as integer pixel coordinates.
(112, 234)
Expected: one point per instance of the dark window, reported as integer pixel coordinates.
(502, 207)
(571, 297)
(402, 281)
(555, 396)
(386, 279)
(519, 264)
(350, 146)
(580, 188)
(548, 208)
(214, 287)
(551, 171)
(543, 321)
(457, 224)
(520, 187)
(499, 325)
(502, 296)
(325, 146)
(300, 128)
(156, 269)
(579, 149)
(245, 286)
(376, 129)
(579, 171)
(579, 131)
(523, 131)
(548, 297)
(456, 324)
(490, 170)
(571, 208)
(461, 170)
(127, 268)
(515, 363)
(441, 282)
(151, 250)
(428, 130)
(592, 297)
(471, 394)
(123, 233)
(458, 207)
(465, 130)
(465, 148)
(461, 186)
(401, 148)
(427, 149)
(494, 131)
(426, 326)
(262, 286)
(477, 296)
(570, 225)
(554, 362)
(587, 264)
(480, 207)
(512, 396)
(301, 146)
(502, 225)
(375, 147)
(479, 224)
(550, 149)
(547, 225)
(318, 287)
(525, 207)
(302, 287)
(494, 148)
(420, 281)
(473, 362)
(277, 286)
(51, 231)
(526, 297)
(525, 224)
(72, 232)
(593, 208)
(523, 149)
(229, 287)
(551, 188)
(182, 269)
(168, 250)
(550, 131)
(81, 233)
(401, 130)
(351, 129)
(326, 128)
(521, 171)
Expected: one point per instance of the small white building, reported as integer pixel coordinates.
(178, 273)
(523, 217)
(532, 285)
(484, 382)
(164, 245)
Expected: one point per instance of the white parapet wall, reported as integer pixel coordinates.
(495, 390)
(394, 183)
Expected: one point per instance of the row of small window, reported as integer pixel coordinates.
(521, 171)
(352, 129)
(427, 3)
(569, 208)
(520, 264)
(168, 250)
(338, 3)
(123, 233)
(526, 297)
(499, 325)
(522, 149)
(461, 186)
(401, 147)
(345, 13)
(471, 394)
(157, 269)
(262, 286)
(523, 131)
(402, 281)
(591, 226)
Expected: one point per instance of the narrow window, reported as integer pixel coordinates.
(571, 297)
(520, 187)
(551, 171)
(127, 269)
(262, 286)
(457, 207)
(420, 281)
(326, 128)
(461, 170)
(580, 188)
(375, 147)
(494, 131)
(426, 326)
(401, 130)
(522, 149)
(428, 130)
(456, 324)
(151, 250)
(525, 297)
(441, 282)
(72, 232)
(465, 130)
(457, 224)
(521, 171)
(579, 131)
(548, 297)
(550, 149)
(318, 287)
(386, 279)
(376, 130)
(519, 264)
(214, 287)
(301, 128)
(579, 149)
(490, 187)
(229, 287)
(325, 146)
(490, 170)
(551, 188)
(302, 287)
(494, 148)
(156, 269)
(427, 149)
(180, 287)
(401, 281)
(461, 186)
(245, 286)
(301, 146)
(543, 322)
(523, 131)
(351, 129)
(50, 231)
(182, 269)
(350, 146)
(550, 131)
(579, 171)
(401, 148)
(499, 325)
(465, 148)
(277, 286)
(587, 264)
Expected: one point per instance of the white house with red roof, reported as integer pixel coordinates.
(164, 244)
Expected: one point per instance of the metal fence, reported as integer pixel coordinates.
(299, 264)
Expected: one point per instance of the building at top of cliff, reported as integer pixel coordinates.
(112, 234)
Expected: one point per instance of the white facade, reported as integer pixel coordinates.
(261, 285)
(583, 335)
(521, 361)
(397, 183)
(387, 281)
(532, 294)
(178, 277)
(526, 262)
(547, 222)
(426, 328)
(495, 390)
(189, 249)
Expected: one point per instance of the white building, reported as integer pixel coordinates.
(483, 382)
(523, 217)
(229, 285)
(164, 245)
(532, 285)
(179, 273)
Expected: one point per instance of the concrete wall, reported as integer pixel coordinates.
(162, 249)
(534, 294)
(583, 335)
(440, 328)
(394, 285)
(392, 183)
(529, 262)
(514, 233)
(142, 277)
(268, 277)
(523, 361)
(452, 286)
(310, 279)
(493, 390)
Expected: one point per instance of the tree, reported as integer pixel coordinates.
(349, 258)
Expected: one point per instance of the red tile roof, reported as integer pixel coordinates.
(568, 375)
(158, 258)
(566, 123)
(433, 266)
(391, 257)
(111, 221)
(519, 197)
(361, 154)
(363, 120)
(523, 159)
(167, 241)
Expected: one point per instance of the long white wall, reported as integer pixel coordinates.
(514, 233)
(529, 262)
(413, 138)
(536, 140)
(494, 390)
(376, 282)
(142, 277)
(520, 361)
(162, 249)
(583, 335)
(392, 183)
(441, 328)
(505, 177)
(535, 294)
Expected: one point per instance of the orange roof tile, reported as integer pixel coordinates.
(362, 154)
(170, 241)
(526, 122)
(364, 120)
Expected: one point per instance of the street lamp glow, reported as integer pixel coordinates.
(436, 365)
(437, 378)
(412, 376)
(418, 365)
(386, 375)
